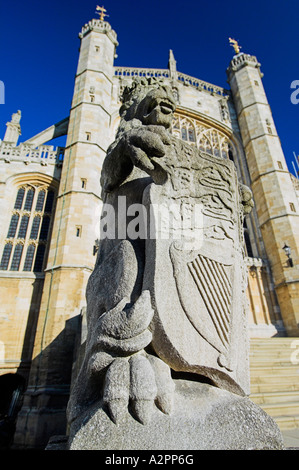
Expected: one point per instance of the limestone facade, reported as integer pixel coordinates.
(41, 305)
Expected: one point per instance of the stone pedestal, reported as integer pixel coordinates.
(204, 418)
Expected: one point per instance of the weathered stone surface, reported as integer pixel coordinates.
(204, 418)
(167, 293)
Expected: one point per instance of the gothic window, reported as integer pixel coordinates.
(29, 258)
(45, 228)
(207, 139)
(248, 247)
(35, 227)
(49, 202)
(39, 260)
(29, 229)
(40, 201)
(19, 199)
(191, 135)
(16, 259)
(23, 226)
(248, 244)
(29, 200)
(6, 256)
(13, 226)
(184, 133)
(230, 153)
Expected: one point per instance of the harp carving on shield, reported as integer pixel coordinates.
(216, 294)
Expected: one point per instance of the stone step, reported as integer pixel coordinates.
(287, 355)
(272, 340)
(289, 370)
(277, 362)
(274, 379)
(275, 397)
(281, 409)
(274, 385)
(287, 422)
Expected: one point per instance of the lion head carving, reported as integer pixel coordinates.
(149, 101)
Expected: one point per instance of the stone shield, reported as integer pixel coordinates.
(195, 267)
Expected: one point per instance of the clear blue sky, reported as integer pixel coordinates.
(39, 50)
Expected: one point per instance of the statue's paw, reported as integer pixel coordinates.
(143, 388)
(138, 382)
(151, 384)
(117, 388)
(130, 381)
(165, 385)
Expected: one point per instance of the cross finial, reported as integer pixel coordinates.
(102, 12)
(235, 45)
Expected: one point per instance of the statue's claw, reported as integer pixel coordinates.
(143, 389)
(139, 382)
(165, 384)
(116, 389)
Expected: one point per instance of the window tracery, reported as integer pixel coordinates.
(207, 139)
(29, 228)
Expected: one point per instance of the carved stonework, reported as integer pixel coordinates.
(170, 300)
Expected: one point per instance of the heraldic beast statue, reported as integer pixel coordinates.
(166, 356)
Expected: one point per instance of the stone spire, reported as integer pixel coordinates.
(172, 65)
(13, 130)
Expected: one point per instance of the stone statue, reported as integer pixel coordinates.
(166, 305)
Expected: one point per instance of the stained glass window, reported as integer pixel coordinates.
(29, 200)
(39, 260)
(206, 138)
(29, 228)
(35, 227)
(29, 258)
(13, 226)
(40, 201)
(16, 259)
(19, 199)
(45, 228)
(23, 226)
(6, 257)
(49, 202)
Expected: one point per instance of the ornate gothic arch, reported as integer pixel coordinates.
(28, 223)
(206, 137)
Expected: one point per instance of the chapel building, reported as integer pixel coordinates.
(50, 199)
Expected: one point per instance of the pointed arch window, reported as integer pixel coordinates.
(29, 199)
(39, 260)
(29, 258)
(16, 259)
(23, 226)
(40, 201)
(13, 226)
(6, 256)
(29, 229)
(35, 228)
(45, 228)
(206, 138)
(20, 198)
